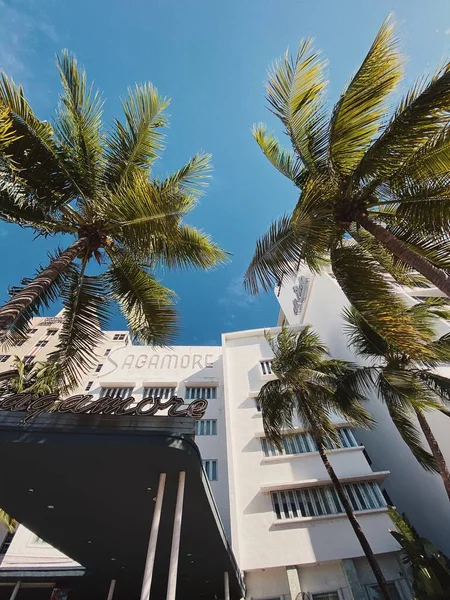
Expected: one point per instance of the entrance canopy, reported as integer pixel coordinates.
(87, 485)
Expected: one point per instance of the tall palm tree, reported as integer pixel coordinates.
(95, 187)
(312, 387)
(408, 387)
(38, 378)
(382, 182)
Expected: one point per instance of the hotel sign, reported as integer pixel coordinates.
(105, 405)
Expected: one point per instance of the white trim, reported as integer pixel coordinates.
(369, 511)
(258, 332)
(306, 483)
(281, 457)
(260, 433)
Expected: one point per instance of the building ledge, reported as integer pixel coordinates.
(270, 459)
(232, 335)
(299, 520)
(294, 430)
(305, 483)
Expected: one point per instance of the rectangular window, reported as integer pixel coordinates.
(20, 342)
(258, 405)
(7, 542)
(266, 367)
(107, 352)
(28, 359)
(4, 357)
(51, 332)
(89, 385)
(302, 443)
(33, 331)
(197, 393)
(98, 368)
(210, 466)
(118, 392)
(323, 500)
(374, 593)
(206, 427)
(327, 596)
(164, 393)
(119, 336)
(41, 343)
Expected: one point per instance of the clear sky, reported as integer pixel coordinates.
(211, 58)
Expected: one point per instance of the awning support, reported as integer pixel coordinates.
(15, 590)
(112, 586)
(151, 551)
(174, 553)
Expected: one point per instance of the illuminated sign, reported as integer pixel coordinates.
(106, 405)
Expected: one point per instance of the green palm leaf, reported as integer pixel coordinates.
(295, 91)
(359, 113)
(146, 304)
(286, 162)
(135, 145)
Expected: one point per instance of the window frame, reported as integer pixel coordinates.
(214, 468)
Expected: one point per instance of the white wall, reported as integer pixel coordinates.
(264, 542)
(414, 491)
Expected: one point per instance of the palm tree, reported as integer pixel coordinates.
(39, 378)
(408, 387)
(96, 188)
(381, 182)
(312, 387)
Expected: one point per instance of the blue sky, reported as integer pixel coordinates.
(211, 57)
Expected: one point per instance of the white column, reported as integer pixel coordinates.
(173, 565)
(226, 581)
(293, 581)
(112, 586)
(151, 551)
(15, 590)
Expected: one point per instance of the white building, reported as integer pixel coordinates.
(319, 301)
(286, 528)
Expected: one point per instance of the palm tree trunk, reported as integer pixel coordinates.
(350, 515)
(31, 292)
(435, 450)
(423, 266)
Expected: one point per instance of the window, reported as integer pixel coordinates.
(301, 443)
(258, 405)
(119, 336)
(118, 392)
(374, 593)
(28, 359)
(7, 542)
(51, 332)
(195, 393)
(165, 393)
(41, 343)
(4, 357)
(107, 351)
(317, 501)
(20, 342)
(266, 367)
(210, 467)
(89, 385)
(33, 331)
(206, 427)
(327, 596)
(98, 368)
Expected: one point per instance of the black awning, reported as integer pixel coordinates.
(86, 484)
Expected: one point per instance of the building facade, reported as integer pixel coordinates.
(287, 529)
(319, 301)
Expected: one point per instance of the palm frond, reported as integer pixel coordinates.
(35, 151)
(147, 305)
(20, 328)
(436, 382)
(7, 133)
(430, 160)
(420, 116)
(352, 385)
(10, 523)
(364, 284)
(410, 434)
(185, 247)
(135, 144)
(295, 91)
(435, 248)
(191, 179)
(283, 160)
(86, 313)
(359, 113)
(277, 405)
(362, 337)
(78, 126)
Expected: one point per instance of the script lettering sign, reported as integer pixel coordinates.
(106, 405)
